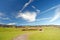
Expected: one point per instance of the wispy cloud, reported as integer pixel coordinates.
(47, 19)
(1, 14)
(37, 10)
(6, 18)
(29, 16)
(50, 9)
(26, 4)
(57, 14)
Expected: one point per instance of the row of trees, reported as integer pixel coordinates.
(11, 26)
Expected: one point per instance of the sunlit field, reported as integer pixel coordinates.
(9, 33)
(47, 33)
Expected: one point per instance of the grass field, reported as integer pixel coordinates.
(48, 33)
(9, 33)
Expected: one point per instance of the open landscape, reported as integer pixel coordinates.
(29, 19)
(31, 32)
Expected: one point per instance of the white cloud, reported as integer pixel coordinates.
(29, 16)
(55, 18)
(1, 14)
(37, 10)
(44, 19)
(6, 18)
(26, 4)
(11, 23)
(57, 15)
(50, 9)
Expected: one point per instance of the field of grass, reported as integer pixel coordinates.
(48, 33)
(9, 33)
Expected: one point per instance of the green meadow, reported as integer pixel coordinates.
(9, 33)
(48, 33)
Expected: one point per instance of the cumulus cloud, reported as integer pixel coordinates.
(26, 4)
(29, 16)
(57, 15)
(11, 23)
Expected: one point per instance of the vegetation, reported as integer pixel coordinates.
(49, 33)
(9, 33)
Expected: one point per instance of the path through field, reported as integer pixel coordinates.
(22, 37)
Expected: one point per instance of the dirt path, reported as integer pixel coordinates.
(22, 37)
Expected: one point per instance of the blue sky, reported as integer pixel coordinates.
(30, 12)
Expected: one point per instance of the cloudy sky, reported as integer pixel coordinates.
(30, 12)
